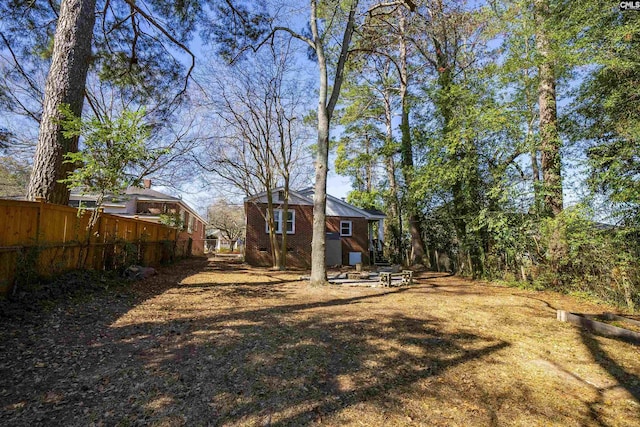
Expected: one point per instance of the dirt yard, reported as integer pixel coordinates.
(217, 343)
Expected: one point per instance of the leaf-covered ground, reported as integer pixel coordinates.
(218, 343)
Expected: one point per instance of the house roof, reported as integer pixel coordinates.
(151, 195)
(338, 207)
(108, 201)
(295, 197)
(140, 194)
(374, 212)
(335, 206)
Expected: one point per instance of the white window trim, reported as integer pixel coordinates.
(266, 224)
(350, 223)
(280, 223)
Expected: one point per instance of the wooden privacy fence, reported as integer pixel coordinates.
(38, 238)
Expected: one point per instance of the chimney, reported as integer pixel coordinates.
(147, 183)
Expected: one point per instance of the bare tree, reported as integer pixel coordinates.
(228, 219)
(260, 139)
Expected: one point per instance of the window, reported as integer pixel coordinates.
(89, 204)
(291, 222)
(277, 217)
(346, 228)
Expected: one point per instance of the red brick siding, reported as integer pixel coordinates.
(197, 237)
(258, 238)
(357, 242)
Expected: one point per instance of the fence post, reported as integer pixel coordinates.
(137, 239)
(41, 202)
(39, 230)
(99, 249)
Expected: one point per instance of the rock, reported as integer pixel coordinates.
(136, 272)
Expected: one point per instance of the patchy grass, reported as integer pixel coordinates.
(222, 344)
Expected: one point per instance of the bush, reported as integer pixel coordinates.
(569, 253)
(588, 258)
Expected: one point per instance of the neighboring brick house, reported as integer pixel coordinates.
(351, 232)
(147, 204)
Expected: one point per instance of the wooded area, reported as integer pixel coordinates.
(500, 133)
(44, 239)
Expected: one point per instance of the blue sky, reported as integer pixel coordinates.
(199, 198)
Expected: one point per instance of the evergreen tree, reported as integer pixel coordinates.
(65, 86)
(608, 105)
(130, 54)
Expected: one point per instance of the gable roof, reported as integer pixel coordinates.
(335, 206)
(295, 197)
(338, 207)
(375, 212)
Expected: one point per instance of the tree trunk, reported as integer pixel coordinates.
(273, 238)
(65, 85)
(393, 224)
(318, 242)
(415, 226)
(369, 165)
(550, 143)
(325, 111)
(535, 171)
(532, 143)
(318, 265)
(282, 263)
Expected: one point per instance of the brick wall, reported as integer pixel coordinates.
(258, 247)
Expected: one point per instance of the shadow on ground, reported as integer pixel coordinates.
(284, 364)
(292, 364)
(624, 378)
(252, 353)
(59, 352)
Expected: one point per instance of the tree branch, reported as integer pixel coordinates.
(175, 41)
(270, 36)
(342, 59)
(32, 85)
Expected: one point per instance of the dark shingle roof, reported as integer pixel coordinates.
(149, 194)
(373, 211)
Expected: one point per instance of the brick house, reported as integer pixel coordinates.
(354, 235)
(150, 205)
